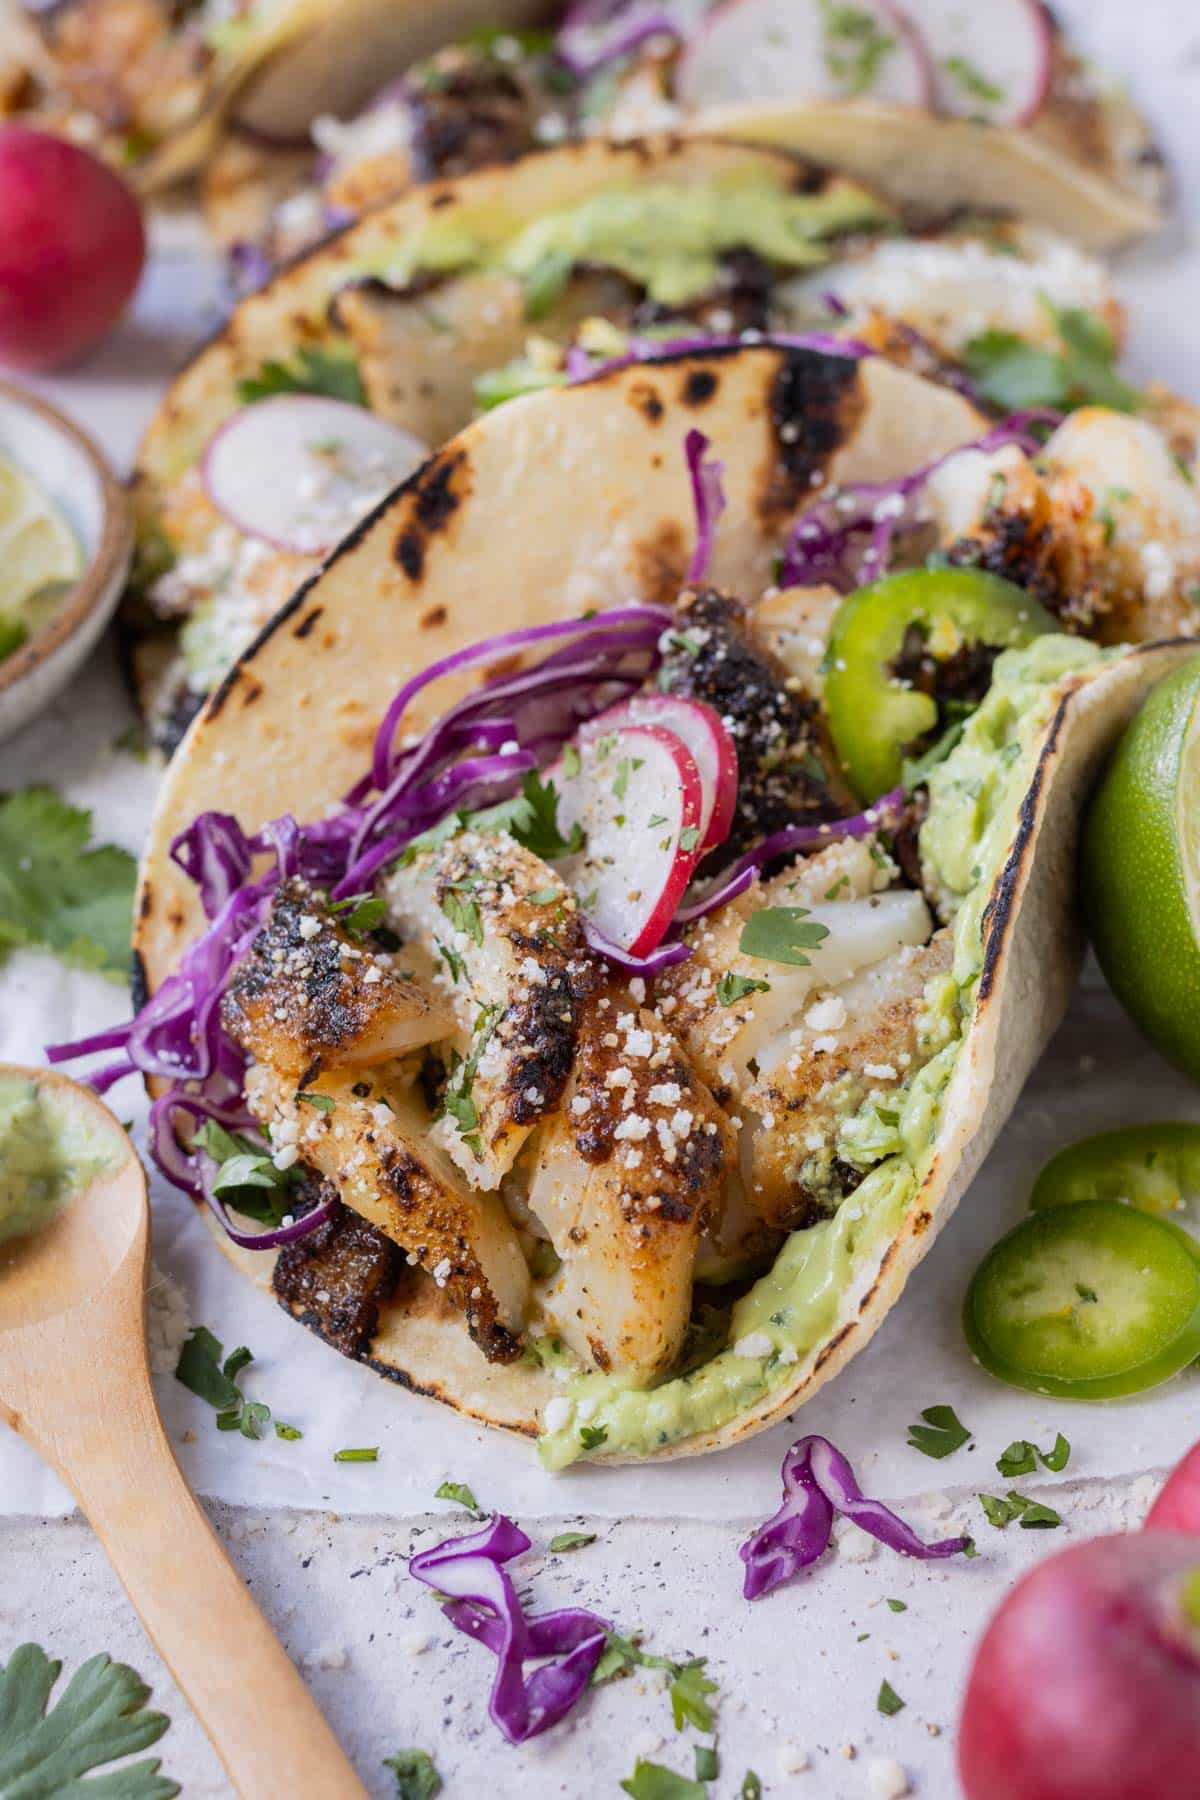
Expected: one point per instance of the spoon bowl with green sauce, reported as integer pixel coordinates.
(75, 1381)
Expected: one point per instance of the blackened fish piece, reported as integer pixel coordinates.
(781, 777)
(469, 109)
(336, 1279)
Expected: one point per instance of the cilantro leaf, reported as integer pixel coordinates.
(460, 1493)
(201, 1370)
(781, 934)
(362, 913)
(651, 1781)
(1011, 373)
(898, 1605)
(247, 1179)
(416, 1776)
(854, 46)
(689, 1696)
(572, 1540)
(708, 1766)
(732, 988)
(1022, 1457)
(942, 1433)
(972, 80)
(457, 1101)
(324, 1103)
(592, 1436)
(888, 1700)
(334, 373)
(751, 1786)
(462, 910)
(537, 826)
(99, 1717)
(56, 892)
(1031, 1513)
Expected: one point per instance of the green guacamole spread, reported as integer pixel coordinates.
(668, 237)
(46, 1157)
(974, 799)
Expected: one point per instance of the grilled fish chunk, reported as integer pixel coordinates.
(336, 1279)
(308, 996)
(625, 1177)
(859, 1039)
(782, 779)
(512, 966)
(1104, 529)
(722, 1040)
(375, 1145)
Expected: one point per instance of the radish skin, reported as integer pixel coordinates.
(760, 50)
(1178, 1505)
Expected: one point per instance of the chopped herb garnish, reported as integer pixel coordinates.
(363, 913)
(133, 740)
(247, 1178)
(708, 1765)
(898, 1605)
(732, 988)
(751, 1786)
(460, 1493)
(455, 966)
(463, 911)
(458, 1102)
(1022, 1457)
(545, 896)
(531, 817)
(311, 371)
(571, 1540)
(942, 1433)
(290, 1433)
(888, 1701)
(782, 934)
(658, 819)
(202, 1371)
(621, 784)
(58, 894)
(839, 887)
(855, 46)
(689, 1693)
(689, 837)
(1031, 1513)
(99, 1717)
(571, 764)
(972, 80)
(1012, 373)
(416, 1776)
(371, 1454)
(651, 1781)
(592, 1436)
(322, 1102)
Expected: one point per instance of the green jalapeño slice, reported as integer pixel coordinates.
(902, 648)
(1088, 1301)
(1153, 1167)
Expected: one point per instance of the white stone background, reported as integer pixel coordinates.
(323, 1548)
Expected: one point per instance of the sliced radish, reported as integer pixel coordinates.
(990, 62)
(800, 50)
(703, 735)
(300, 471)
(638, 796)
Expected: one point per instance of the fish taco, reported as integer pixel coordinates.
(353, 362)
(591, 1024)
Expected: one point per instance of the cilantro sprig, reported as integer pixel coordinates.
(782, 934)
(59, 891)
(1011, 373)
(1031, 1514)
(461, 1494)
(247, 1178)
(416, 1775)
(942, 1433)
(99, 1717)
(208, 1373)
(1022, 1457)
(334, 374)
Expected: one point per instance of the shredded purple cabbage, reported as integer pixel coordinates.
(595, 33)
(483, 1604)
(845, 538)
(708, 496)
(818, 1484)
(250, 268)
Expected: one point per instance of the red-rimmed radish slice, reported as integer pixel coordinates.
(702, 733)
(988, 62)
(300, 470)
(800, 50)
(638, 796)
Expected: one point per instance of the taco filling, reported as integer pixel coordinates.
(620, 1004)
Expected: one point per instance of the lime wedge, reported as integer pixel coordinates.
(1140, 867)
(40, 557)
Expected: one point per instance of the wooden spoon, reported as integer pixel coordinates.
(74, 1380)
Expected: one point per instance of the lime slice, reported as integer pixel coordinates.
(1140, 868)
(40, 557)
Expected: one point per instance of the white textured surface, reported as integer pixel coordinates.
(796, 1682)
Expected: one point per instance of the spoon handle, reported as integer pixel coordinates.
(263, 1722)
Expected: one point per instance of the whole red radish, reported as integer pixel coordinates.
(1086, 1685)
(1178, 1505)
(72, 247)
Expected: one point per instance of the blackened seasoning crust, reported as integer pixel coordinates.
(965, 675)
(739, 301)
(815, 402)
(469, 108)
(781, 780)
(335, 1279)
(1013, 547)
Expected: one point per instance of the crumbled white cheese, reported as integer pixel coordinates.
(826, 1015)
(886, 1779)
(557, 1412)
(754, 1344)
(790, 1759)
